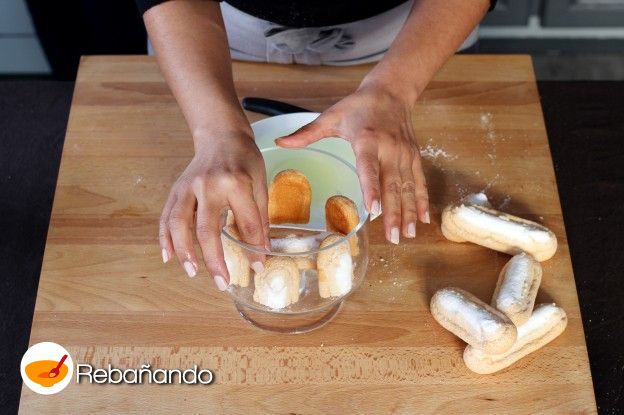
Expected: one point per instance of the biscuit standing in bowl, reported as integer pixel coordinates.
(341, 216)
(278, 285)
(290, 196)
(335, 268)
(294, 244)
(235, 258)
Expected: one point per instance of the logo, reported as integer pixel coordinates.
(47, 368)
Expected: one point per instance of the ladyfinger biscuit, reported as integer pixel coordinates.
(304, 263)
(479, 199)
(229, 218)
(341, 216)
(278, 285)
(235, 258)
(472, 320)
(290, 195)
(293, 244)
(335, 268)
(517, 287)
(496, 230)
(546, 323)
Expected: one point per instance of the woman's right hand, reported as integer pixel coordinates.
(226, 172)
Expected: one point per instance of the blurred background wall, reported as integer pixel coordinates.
(569, 39)
(47, 37)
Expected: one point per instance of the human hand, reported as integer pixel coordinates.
(378, 125)
(225, 172)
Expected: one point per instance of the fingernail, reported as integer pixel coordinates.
(220, 282)
(427, 219)
(257, 267)
(190, 268)
(165, 256)
(375, 210)
(394, 235)
(411, 230)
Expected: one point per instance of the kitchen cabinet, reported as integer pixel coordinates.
(583, 13)
(509, 13)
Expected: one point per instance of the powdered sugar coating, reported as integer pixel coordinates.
(472, 320)
(517, 287)
(477, 199)
(546, 323)
(497, 230)
(278, 285)
(335, 268)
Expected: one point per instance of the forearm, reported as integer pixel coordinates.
(433, 31)
(192, 51)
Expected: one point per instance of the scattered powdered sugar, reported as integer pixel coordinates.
(461, 190)
(431, 152)
(434, 153)
(505, 203)
(393, 284)
(490, 184)
(488, 125)
(486, 120)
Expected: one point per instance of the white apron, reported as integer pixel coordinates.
(362, 41)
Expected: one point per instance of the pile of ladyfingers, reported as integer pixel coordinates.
(511, 326)
(278, 285)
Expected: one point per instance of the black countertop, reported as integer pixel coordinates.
(585, 122)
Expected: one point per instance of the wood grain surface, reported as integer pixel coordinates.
(105, 295)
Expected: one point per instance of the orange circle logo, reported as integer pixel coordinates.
(46, 368)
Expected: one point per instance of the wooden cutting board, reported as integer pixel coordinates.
(105, 295)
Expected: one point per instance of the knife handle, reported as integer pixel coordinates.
(269, 106)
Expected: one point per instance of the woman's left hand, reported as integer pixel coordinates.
(378, 124)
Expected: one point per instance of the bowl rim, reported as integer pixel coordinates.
(342, 239)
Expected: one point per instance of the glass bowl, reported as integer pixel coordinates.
(329, 175)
